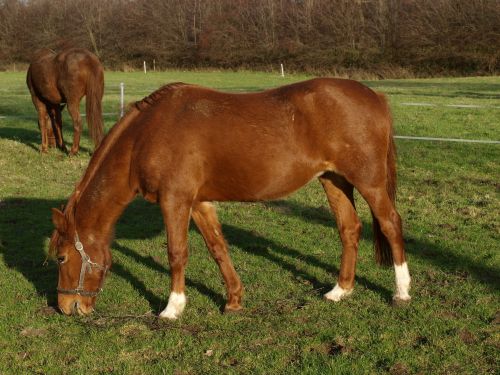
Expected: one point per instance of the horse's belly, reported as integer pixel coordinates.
(285, 185)
(257, 186)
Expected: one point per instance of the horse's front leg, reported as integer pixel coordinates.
(206, 220)
(340, 198)
(176, 214)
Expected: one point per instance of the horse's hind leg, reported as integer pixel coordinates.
(50, 134)
(74, 112)
(56, 119)
(340, 197)
(43, 115)
(389, 220)
(205, 217)
(176, 214)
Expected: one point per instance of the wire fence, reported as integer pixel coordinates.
(147, 90)
(471, 106)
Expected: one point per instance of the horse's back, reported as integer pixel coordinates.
(307, 113)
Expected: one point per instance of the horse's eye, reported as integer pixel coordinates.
(61, 259)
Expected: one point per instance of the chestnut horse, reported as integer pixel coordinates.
(185, 146)
(65, 77)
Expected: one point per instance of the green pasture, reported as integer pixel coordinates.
(287, 253)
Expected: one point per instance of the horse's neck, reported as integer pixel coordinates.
(105, 189)
(100, 205)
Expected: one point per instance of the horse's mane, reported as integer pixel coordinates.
(155, 96)
(101, 151)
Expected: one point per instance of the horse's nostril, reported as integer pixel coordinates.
(74, 307)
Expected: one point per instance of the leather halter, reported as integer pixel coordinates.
(87, 265)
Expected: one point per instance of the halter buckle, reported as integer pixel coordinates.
(78, 246)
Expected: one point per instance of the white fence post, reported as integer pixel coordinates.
(122, 99)
(282, 71)
(144, 67)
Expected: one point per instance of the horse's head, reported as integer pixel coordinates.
(82, 266)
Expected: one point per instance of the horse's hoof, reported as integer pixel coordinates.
(233, 309)
(399, 302)
(168, 316)
(337, 294)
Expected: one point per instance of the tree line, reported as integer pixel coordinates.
(384, 37)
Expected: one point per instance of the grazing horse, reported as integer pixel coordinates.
(185, 146)
(65, 77)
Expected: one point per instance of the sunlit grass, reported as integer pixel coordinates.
(286, 252)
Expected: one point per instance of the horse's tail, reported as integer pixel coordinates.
(383, 253)
(93, 103)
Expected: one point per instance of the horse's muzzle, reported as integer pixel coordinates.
(74, 306)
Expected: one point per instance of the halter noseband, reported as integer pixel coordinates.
(87, 265)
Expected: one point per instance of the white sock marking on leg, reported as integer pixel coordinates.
(175, 307)
(402, 282)
(337, 293)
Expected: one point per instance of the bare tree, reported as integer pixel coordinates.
(425, 36)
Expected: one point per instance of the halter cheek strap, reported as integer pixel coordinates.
(87, 266)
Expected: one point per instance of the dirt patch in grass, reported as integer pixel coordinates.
(467, 337)
(399, 369)
(48, 311)
(33, 332)
(496, 319)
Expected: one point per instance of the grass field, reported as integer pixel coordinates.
(287, 253)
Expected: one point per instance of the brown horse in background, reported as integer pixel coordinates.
(186, 146)
(65, 77)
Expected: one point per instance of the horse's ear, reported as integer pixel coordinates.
(59, 220)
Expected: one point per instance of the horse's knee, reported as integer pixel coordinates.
(352, 232)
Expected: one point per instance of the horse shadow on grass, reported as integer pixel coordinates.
(442, 257)
(32, 217)
(30, 138)
(246, 240)
(25, 226)
(33, 139)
